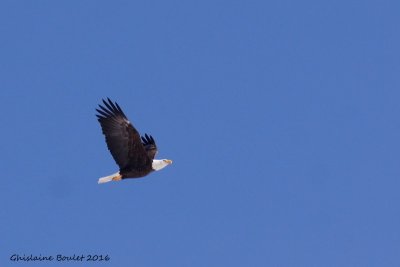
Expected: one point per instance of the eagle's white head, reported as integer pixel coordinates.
(159, 164)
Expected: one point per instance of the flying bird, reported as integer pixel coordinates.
(133, 153)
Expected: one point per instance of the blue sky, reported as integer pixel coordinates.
(282, 119)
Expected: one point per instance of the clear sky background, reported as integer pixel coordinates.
(282, 118)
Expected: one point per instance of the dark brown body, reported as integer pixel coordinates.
(136, 173)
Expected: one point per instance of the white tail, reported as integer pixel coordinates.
(116, 176)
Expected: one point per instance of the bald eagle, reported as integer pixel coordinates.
(133, 153)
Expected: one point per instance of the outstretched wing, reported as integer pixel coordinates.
(150, 146)
(122, 139)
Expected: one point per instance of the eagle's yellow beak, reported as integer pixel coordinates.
(168, 161)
